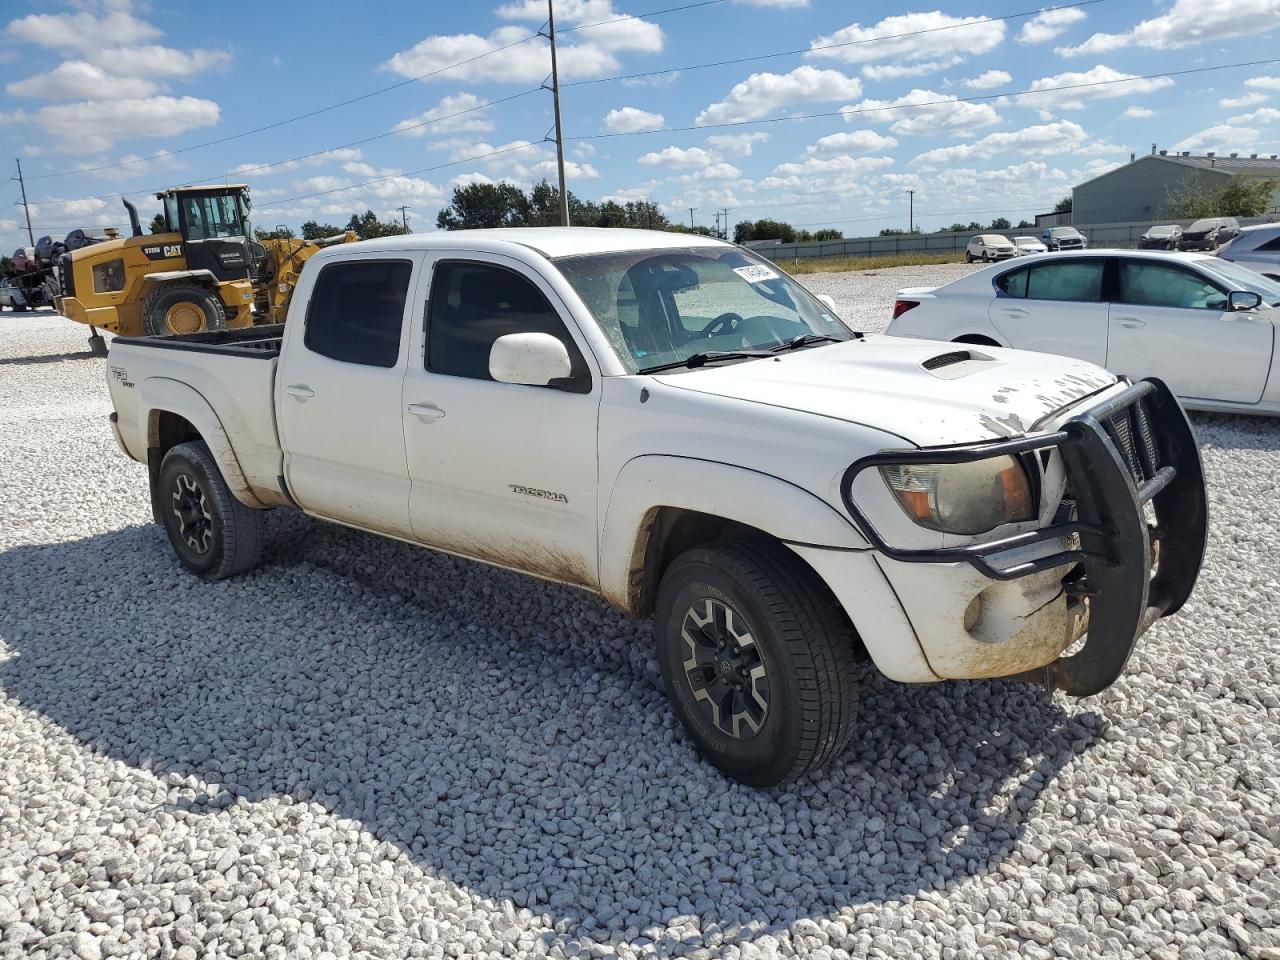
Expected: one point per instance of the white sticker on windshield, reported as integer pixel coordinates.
(755, 273)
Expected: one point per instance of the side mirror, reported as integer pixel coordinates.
(827, 301)
(532, 359)
(1243, 300)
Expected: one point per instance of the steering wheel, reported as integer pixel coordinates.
(729, 321)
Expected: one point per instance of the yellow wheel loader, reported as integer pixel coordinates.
(205, 272)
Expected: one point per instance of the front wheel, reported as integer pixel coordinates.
(214, 534)
(757, 659)
(182, 308)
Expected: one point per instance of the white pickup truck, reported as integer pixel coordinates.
(673, 423)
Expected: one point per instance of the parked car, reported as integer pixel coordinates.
(11, 295)
(1063, 238)
(1257, 248)
(1161, 238)
(1029, 245)
(671, 422)
(1205, 326)
(988, 247)
(1209, 234)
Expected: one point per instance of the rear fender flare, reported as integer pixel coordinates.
(767, 503)
(163, 395)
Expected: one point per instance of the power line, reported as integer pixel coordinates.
(372, 93)
(833, 46)
(927, 103)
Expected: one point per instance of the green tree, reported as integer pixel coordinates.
(6, 266)
(1239, 197)
(1000, 223)
(1026, 225)
(828, 234)
(764, 230)
(485, 205)
(279, 233)
(311, 230)
(1063, 205)
(367, 226)
(158, 224)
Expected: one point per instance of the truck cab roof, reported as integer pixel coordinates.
(551, 242)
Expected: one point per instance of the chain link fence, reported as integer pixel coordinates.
(1105, 235)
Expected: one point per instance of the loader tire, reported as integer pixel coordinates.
(214, 535)
(182, 308)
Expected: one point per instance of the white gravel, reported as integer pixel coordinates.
(370, 750)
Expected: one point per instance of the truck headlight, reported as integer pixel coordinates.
(963, 498)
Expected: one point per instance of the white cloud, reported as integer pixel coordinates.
(1246, 100)
(1048, 24)
(457, 113)
(83, 31)
(77, 78)
(1263, 83)
(859, 141)
(589, 53)
(988, 80)
(1222, 138)
(130, 165)
(835, 173)
(92, 125)
(632, 119)
(948, 37)
(1045, 139)
(154, 60)
(895, 71)
(678, 157)
(1106, 84)
(762, 93)
(736, 144)
(924, 113)
(258, 170)
(1186, 23)
(773, 3)
(1138, 113)
(1261, 115)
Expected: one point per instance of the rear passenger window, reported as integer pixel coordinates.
(356, 312)
(1271, 245)
(472, 305)
(1013, 283)
(1075, 280)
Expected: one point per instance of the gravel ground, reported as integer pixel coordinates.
(366, 749)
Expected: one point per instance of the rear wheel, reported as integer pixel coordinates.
(182, 308)
(214, 534)
(757, 659)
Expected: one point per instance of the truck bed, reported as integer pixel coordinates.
(258, 341)
(222, 381)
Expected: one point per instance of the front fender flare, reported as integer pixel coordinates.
(162, 395)
(760, 500)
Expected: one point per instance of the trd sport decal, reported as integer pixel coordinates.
(540, 494)
(162, 251)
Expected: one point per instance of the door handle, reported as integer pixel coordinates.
(1016, 313)
(1131, 323)
(300, 390)
(425, 411)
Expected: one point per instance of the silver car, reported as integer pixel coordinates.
(989, 246)
(1257, 248)
(11, 295)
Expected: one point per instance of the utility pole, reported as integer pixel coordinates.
(691, 209)
(25, 208)
(717, 223)
(555, 98)
(725, 234)
(911, 211)
(404, 217)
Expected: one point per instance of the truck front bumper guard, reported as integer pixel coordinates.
(1135, 448)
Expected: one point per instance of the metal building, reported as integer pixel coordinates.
(1142, 188)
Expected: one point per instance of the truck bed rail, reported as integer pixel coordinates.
(261, 341)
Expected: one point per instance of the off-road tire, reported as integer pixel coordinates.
(806, 645)
(227, 538)
(158, 305)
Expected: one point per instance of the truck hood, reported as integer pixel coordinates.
(972, 393)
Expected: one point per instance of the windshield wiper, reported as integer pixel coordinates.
(795, 343)
(701, 359)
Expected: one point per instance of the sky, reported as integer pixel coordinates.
(829, 113)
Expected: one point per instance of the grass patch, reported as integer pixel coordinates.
(841, 264)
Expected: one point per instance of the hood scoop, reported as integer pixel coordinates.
(956, 364)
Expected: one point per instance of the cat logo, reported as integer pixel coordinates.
(162, 251)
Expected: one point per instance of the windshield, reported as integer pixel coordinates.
(664, 306)
(995, 240)
(1201, 225)
(1028, 242)
(1161, 231)
(1242, 278)
(1064, 232)
(212, 217)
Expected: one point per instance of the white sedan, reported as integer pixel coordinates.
(1205, 326)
